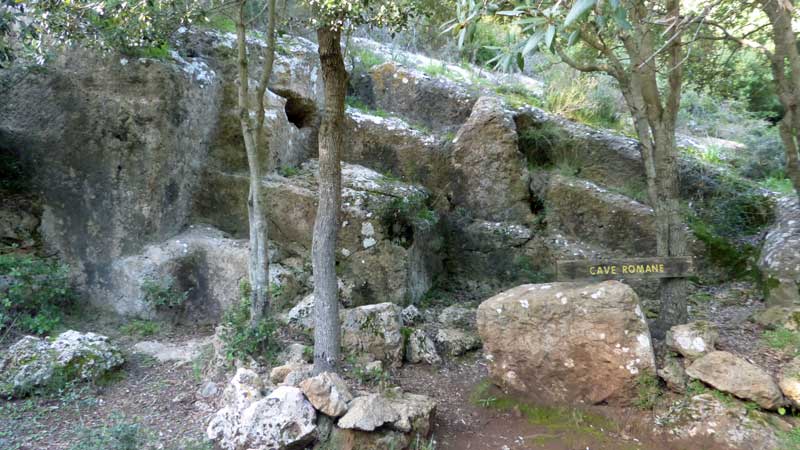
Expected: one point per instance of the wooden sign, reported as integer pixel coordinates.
(656, 267)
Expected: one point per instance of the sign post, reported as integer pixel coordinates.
(605, 269)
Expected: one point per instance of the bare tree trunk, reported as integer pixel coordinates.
(323, 250)
(255, 137)
(785, 63)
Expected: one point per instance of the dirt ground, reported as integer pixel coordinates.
(162, 399)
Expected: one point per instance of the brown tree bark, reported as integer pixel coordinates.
(256, 138)
(785, 64)
(327, 334)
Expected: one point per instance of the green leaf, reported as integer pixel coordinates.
(614, 4)
(601, 21)
(533, 42)
(512, 13)
(621, 18)
(573, 37)
(577, 10)
(520, 61)
(551, 33)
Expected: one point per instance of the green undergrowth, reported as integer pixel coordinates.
(122, 433)
(141, 328)
(241, 340)
(357, 103)
(164, 292)
(38, 294)
(364, 59)
(790, 440)
(563, 423)
(783, 339)
(648, 391)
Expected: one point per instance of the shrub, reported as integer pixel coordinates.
(37, 291)
(163, 292)
(648, 390)
(121, 435)
(241, 340)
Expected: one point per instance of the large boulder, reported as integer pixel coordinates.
(567, 342)
(373, 332)
(282, 420)
(728, 423)
(115, 146)
(780, 255)
(403, 412)
(386, 247)
(491, 174)
(730, 373)
(692, 340)
(34, 362)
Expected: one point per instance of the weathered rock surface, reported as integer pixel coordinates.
(456, 342)
(410, 315)
(673, 374)
(17, 224)
(730, 424)
(420, 348)
(789, 381)
(780, 255)
(732, 374)
(328, 393)
(117, 145)
(172, 352)
(382, 254)
(567, 342)
(456, 316)
(34, 362)
(404, 412)
(692, 340)
(493, 177)
(591, 213)
(436, 102)
(373, 332)
(282, 420)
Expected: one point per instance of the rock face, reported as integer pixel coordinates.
(113, 171)
(456, 342)
(372, 332)
(34, 362)
(593, 214)
(730, 424)
(730, 373)
(436, 102)
(328, 393)
(789, 381)
(780, 255)
(385, 250)
(492, 174)
(180, 353)
(368, 413)
(567, 342)
(692, 340)
(282, 420)
(201, 262)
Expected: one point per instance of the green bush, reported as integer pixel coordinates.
(163, 293)
(241, 340)
(121, 435)
(37, 291)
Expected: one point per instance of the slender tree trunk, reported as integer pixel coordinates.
(323, 250)
(785, 64)
(255, 138)
(655, 116)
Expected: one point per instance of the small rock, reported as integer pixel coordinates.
(789, 381)
(207, 390)
(410, 315)
(373, 332)
(732, 374)
(295, 353)
(673, 373)
(279, 373)
(456, 342)
(374, 366)
(458, 317)
(420, 348)
(182, 397)
(295, 377)
(779, 317)
(692, 340)
(328, 393)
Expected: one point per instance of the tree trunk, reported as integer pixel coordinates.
(255, 139)
(323, 249)
(785, 64)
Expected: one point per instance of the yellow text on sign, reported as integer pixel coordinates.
(626, 268)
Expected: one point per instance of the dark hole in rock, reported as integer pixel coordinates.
(300, 112)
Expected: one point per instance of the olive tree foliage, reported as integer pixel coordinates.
(32, 27)
(331, 18)
(640, 43)
(768, 26)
